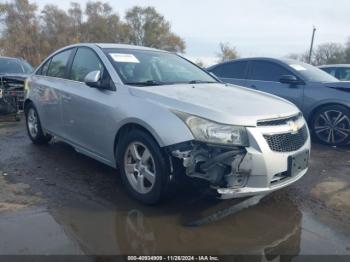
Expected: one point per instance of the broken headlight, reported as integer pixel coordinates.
(211, 132)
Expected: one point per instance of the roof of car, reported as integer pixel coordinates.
(13, 58)
(335, 65)
(111, 45)
(283, 60)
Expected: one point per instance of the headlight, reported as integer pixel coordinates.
(211, 132)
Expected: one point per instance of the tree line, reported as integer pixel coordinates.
(30, 33)
(33, 34)
(327, 53)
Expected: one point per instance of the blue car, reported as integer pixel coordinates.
(323, 99)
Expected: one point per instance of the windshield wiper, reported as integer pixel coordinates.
(145, 83)
(201, 82)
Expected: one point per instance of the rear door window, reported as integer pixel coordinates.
(58, 65)
(267, 71)
(231, 70)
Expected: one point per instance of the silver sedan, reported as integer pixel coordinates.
(158, 117)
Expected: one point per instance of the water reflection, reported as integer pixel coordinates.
(271, 228)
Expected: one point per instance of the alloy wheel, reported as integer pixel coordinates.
(332, 126)
(32, 121)
(139, 167)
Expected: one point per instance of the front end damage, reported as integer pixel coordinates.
(222, 167)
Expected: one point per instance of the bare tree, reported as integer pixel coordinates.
(149, 28)
(303, 57)
(227, 52)
(102, 24)
(347, 52)
(329, 53)
(20, 35)
(30, 34)
(56, 29)
(200, 63)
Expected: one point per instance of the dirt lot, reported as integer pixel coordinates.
(56, 201)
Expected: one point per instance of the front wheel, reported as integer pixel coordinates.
(144, 168)
(331, 125)
(34, 128)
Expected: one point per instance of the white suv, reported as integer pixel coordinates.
(157, 116)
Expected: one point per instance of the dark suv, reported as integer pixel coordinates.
(323, 99)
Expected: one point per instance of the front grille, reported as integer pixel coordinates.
(279, 121)
(287, 142)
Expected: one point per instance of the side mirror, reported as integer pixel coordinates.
(290, 79)
(93, 78)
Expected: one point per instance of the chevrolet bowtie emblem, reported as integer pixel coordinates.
(293, 127)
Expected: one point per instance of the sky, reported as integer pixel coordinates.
(255, 27)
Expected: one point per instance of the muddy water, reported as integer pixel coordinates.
(271, 228)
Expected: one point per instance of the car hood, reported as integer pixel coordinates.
(19, 77)
(218, 102)
(341, 85)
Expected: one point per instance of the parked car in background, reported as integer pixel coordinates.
(13, 72)
(323, 99)
(341, 71)
(157, 116)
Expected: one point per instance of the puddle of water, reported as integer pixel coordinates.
(263, 229)
(272, 228)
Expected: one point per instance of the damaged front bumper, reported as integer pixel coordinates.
(235, 172)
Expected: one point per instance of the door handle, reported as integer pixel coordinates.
(253, 86)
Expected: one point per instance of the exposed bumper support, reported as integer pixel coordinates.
(228, 193)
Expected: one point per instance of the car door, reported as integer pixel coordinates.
(88, 112)
(47, 84)
(265, 76)
(232, 72)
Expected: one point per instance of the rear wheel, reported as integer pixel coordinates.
(331, 125)
(144, 167)
(34, 128)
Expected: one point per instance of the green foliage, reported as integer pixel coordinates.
(33, 35)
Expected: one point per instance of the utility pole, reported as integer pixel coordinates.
(312, 43)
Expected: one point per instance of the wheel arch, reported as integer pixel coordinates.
(127, 127)
(318, 107)
(27, 102)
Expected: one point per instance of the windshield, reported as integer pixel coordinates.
(143, 67)
(14, 66)
(311, 73)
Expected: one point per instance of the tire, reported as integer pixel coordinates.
(139, 156)
(330, 125)
(34, 129)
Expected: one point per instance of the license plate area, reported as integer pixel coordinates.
(298, 163)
